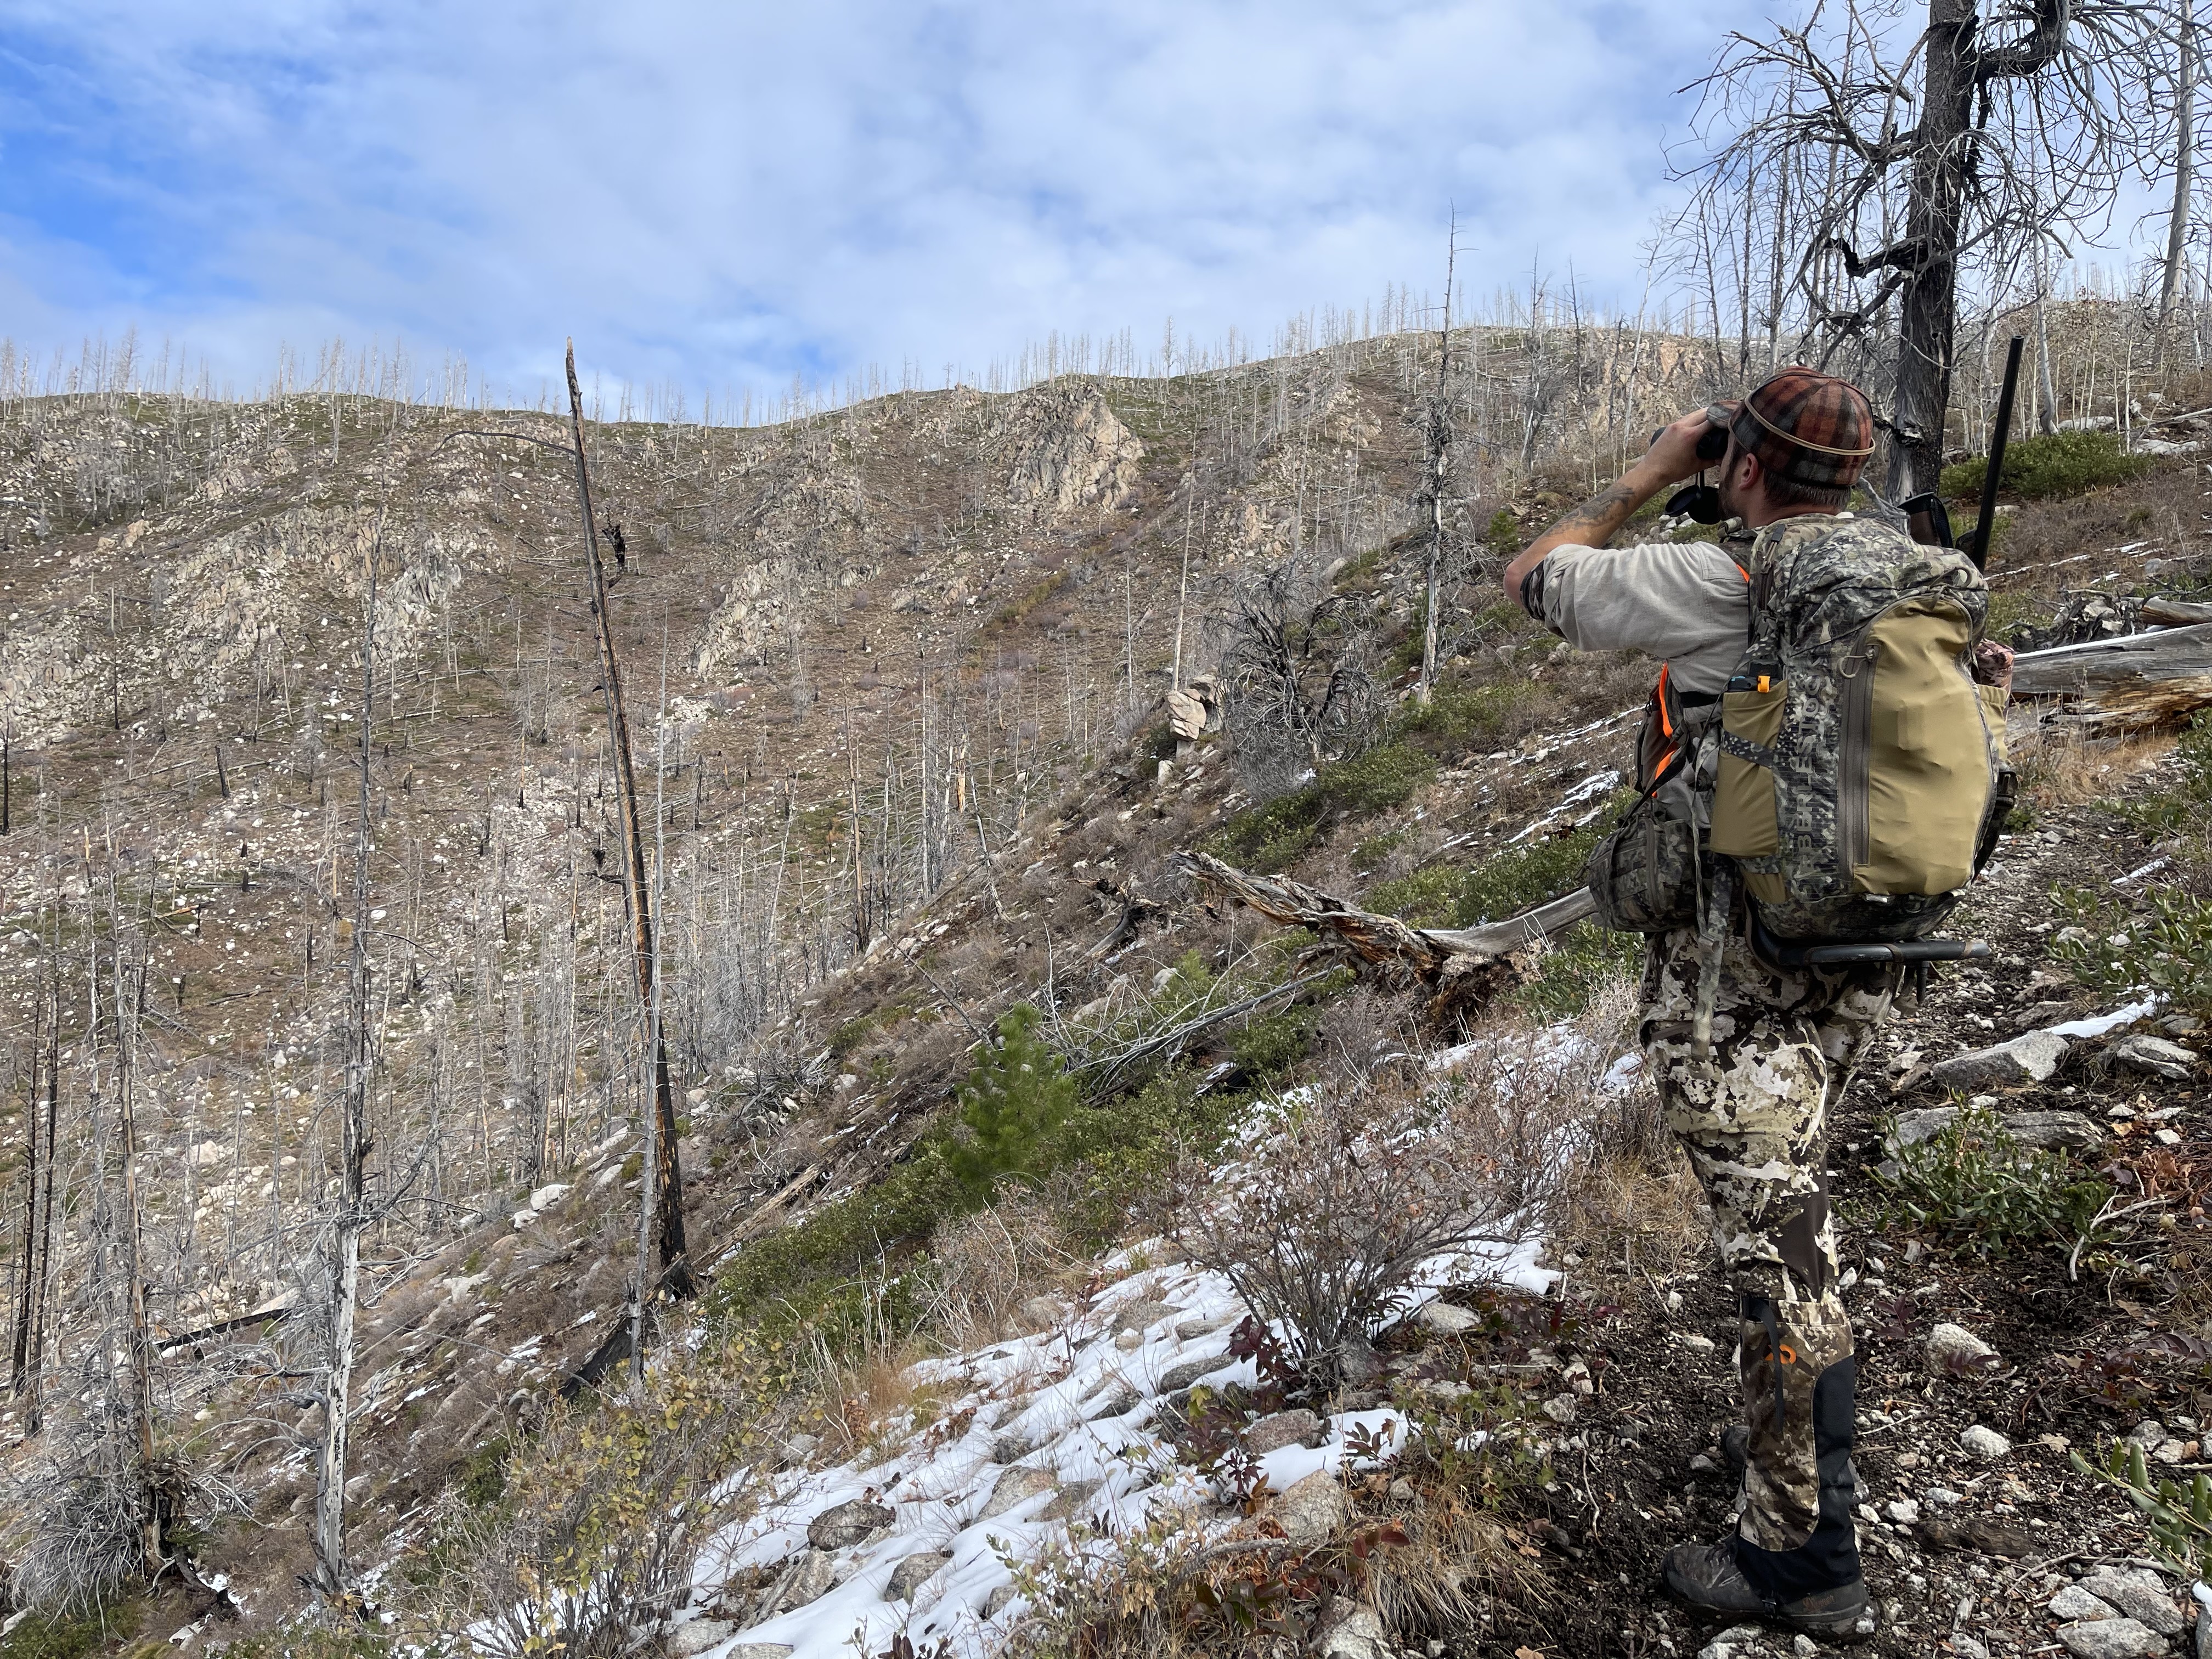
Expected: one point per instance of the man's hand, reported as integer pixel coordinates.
(1672, 458)
(1675, 451)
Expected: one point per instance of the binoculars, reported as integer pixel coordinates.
(1700, 502)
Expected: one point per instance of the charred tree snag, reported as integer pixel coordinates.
(676, 1276)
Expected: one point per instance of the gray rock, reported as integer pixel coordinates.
(804, 1581)
(2140, 1593)
(2112, 1639)
(1561, 1407)
(995, 1602)
(2203, 1631)
(1353, 1631)
(1011, 1447)
(760, 1650)
(1986, 1443)
(848, 1524)
(2072, 1132)
(1191, 1330)
(698, 1635)
(1040, 1313)
(2029, 1058)
(1182, 1376)
(2153, 1056)
(1963, 1647)
(1291, 1428)
(1736, 1642)
(1444, 1319)
(1114, 1402)
(1805, 1647)
(1016, 1486)
(2073, 1601)
(911, 1574)
(1073, 1499)
(1903, 1510)
(1955, 1350)
(1142, 1315)
(1310, 1510)
(2149, 1434)
(1912, 1127)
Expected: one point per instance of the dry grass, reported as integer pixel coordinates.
(1456, 1559)
(864, 1394)
(2060, 766)
(989, 1264)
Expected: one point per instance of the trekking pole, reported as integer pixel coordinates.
(1978, 548)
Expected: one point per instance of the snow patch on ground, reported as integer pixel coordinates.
(1046, 1389)
(1073, 1402)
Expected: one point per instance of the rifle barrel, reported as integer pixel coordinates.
(1997, 438)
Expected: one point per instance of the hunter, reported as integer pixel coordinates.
(1752, 1111)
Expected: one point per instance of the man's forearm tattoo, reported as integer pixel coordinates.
(1592, 523)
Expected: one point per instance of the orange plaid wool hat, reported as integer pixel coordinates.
(1809, 428)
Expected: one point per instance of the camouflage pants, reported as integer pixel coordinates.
(1754, 1121)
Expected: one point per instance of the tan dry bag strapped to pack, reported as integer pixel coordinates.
(1859, 762)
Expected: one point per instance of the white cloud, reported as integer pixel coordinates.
(725, 195)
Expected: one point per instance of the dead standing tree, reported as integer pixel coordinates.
(1436, 467)
(665, 1187)
(1293, 664)
(2023, 125)
(342, 1249)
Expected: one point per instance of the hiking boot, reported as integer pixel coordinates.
(1707, 1576)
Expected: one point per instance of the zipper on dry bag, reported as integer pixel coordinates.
(1855, 761)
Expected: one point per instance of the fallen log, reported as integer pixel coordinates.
(2174, 613)
(2130, 683)
(1457, 964)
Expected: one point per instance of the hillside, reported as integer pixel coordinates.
(896, 677)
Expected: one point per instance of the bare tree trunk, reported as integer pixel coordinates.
(1437, 463)
(1940, 164)
(35, 1404)
(1944, 148)
(676, 1276)
(130, 991)
(333, 1577)
(2177, 221)
(20, 1352)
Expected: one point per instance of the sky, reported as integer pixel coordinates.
(729, 196)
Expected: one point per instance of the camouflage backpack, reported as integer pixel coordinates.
(1858, 759)
(1849, 773)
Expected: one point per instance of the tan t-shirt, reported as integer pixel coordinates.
(1688, 603)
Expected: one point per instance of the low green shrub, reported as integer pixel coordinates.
(73, 1634)
(1984, 1192)
(1025, 1119)
(1577, 964)
(1266, 838)
(2050, 465)
(1446, 895)
(2168, 952)
(1454, 718)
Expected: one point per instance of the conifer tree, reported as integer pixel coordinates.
(1016, 1102)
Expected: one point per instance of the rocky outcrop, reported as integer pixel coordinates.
(1067, 453)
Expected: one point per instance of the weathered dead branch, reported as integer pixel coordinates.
(1460, 965)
